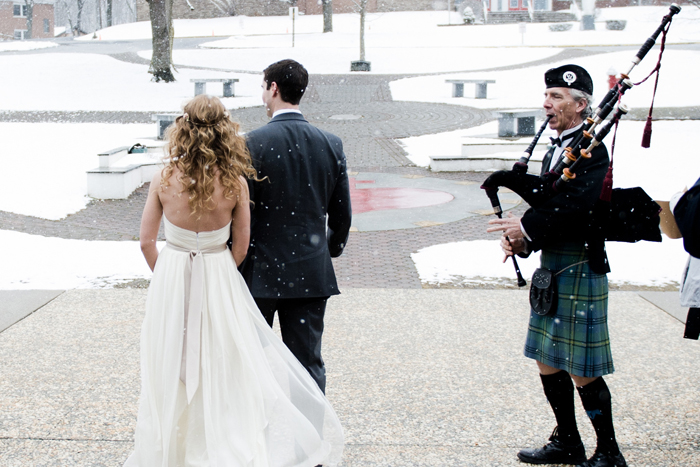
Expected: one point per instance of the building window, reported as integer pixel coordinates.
(19, 34)
(47, 26)
(19, 10)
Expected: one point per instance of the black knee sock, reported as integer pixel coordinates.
(560, 393)
(692, 324)
(595, 397)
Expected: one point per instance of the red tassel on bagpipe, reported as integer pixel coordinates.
(646, 136)
(606, 192)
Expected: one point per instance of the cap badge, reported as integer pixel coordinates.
(569, 77)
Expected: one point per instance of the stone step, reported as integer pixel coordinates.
(504, 17)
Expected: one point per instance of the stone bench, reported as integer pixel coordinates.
(163, 121)
(519, 122)
(200, 85)
(480, 91)
(117, 180)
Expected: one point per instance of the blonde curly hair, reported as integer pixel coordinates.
(204, 143)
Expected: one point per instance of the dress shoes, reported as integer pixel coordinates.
(601, 459)
(556, 452)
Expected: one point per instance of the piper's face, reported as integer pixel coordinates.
(565, 111)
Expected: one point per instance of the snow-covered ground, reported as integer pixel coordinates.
(476, 262)
(410, 29)
(55, 263)
(15, 46)
(521, 88)
(98, 82)
(47, 161)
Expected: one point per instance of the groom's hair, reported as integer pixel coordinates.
(291, 78)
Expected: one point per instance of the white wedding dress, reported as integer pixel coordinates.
(244, 400)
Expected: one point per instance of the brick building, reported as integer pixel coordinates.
(14, 24)
(211, 9)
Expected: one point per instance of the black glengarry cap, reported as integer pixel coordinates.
(569, 76)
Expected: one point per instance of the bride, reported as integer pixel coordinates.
(218, 387)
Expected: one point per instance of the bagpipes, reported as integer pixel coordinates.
(624, 215)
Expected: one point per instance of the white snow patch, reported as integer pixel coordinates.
(481, 261)
(16, 46)
(408, 29)
(55, 263)
(98, 82)
(48, 161)
(524, 88)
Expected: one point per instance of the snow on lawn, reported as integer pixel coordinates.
(55, 263)
(47, 163)
(408, 29)
(525, 87)
(662, 170)
(14, 46)
(480, 261)
(100, 82)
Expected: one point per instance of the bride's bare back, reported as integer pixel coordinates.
(176, 208)
(172, 202)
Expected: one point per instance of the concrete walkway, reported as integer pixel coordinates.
(418, 378)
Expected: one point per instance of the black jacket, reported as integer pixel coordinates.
(290, 244)
(687, 214)
(567, 216)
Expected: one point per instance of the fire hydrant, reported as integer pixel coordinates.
(612, 78)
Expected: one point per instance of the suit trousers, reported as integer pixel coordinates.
(301, 323)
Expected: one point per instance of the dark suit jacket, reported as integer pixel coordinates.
(567, 216)
(290, 245)
(687, 213)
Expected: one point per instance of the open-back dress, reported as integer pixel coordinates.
(218, 387)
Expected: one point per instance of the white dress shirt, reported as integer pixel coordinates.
(286, 111)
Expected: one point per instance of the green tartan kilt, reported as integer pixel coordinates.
(576, 338)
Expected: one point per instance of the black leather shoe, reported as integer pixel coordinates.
(601, 459)
(554, 452)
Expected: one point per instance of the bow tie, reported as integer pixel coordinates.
(555, 141)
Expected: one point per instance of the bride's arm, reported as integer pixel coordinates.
(240, 225)
(150, 223)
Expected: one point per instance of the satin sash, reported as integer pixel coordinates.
(194, 303)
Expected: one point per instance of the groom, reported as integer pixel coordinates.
(300, 218)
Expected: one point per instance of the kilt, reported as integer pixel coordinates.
(576, 338)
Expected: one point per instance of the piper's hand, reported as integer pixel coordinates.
(511, 248)
(510, 226)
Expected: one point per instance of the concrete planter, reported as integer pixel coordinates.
(615, 24)
(360, 65)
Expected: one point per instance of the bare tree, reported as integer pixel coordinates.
(363, 14)
(29, 11)
(78, 23)
(327, 15)
(109, 13)
(161, 12)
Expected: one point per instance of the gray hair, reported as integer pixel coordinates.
(578, 95)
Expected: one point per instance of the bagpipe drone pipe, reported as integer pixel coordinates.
(623, 215)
